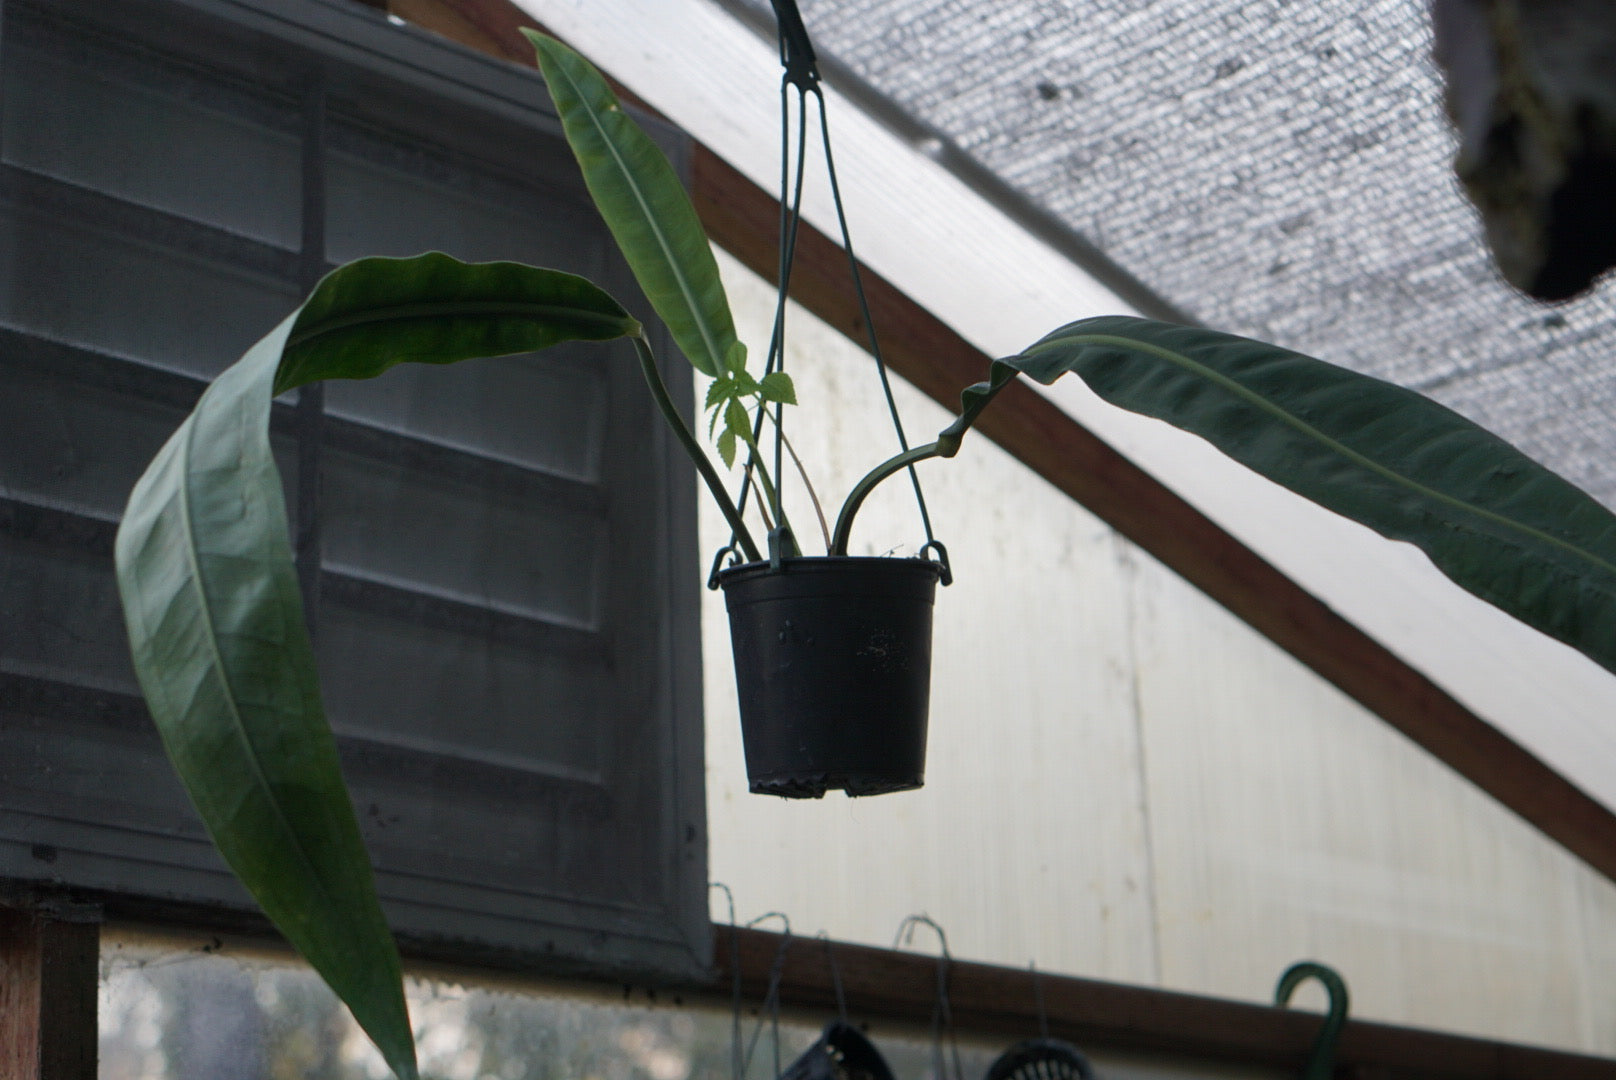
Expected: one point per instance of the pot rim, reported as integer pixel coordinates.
(823, 563)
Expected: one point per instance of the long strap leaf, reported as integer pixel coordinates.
(1495, 521)
(215, 620)
(645, 206)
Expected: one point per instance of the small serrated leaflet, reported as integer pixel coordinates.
(720, 391)
(738, 420)
(778, 387)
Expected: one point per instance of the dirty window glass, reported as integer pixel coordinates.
(206, 1009)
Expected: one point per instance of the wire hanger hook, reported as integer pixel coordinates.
(1321, 1058)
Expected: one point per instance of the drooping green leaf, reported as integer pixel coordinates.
(1493, 520)
(435, 309)
(215, 621)
(777, 386)
(735, 358)
(640, 197)
(726, 447)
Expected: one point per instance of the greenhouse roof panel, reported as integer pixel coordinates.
(1273, 169)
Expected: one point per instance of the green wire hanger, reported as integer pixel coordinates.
(802, 73)
(1321, 1059)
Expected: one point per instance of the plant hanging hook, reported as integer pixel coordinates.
(942, 1015)
(835, 977)
(770, 1012)
(796, 51)
(1038, 995)
(1321, 1059)
(737, 1069)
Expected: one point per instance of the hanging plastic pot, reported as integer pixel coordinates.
(842, 1053)
(833, 667)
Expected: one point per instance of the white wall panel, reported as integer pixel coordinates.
(1027, 841)
(1289, 822)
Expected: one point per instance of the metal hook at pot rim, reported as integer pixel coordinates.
(941, 559)
(782, 545)
(731, 549)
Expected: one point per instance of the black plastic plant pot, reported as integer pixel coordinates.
(833, 667)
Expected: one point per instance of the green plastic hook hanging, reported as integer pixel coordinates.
(1321, 1059)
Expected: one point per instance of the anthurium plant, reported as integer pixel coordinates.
(210, 592)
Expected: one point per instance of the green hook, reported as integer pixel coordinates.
(1321, 1059)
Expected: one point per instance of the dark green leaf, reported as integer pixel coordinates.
(645, 206)
(215, 621)
(735, 358)
(434, 309)
(777, 386)
(1493, 520)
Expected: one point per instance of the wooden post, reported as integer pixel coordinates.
(49, 970)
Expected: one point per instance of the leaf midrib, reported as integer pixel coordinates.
(440, 309)
(716, 357)
(1290, 419)
(238, 724)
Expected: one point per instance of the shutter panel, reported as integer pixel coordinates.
(505, 607)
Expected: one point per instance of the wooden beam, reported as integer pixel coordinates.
(494, 28)
(743, 219)
(49, 972)
(444, 20)
(881, 984)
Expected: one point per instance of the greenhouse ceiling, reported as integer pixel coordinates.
(1278, 169)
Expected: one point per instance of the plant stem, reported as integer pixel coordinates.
(715, 485)
(769, 496)
(861, 490)
(762, 504)
(813, 496)
(974, 400)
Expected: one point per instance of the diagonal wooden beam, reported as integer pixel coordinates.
(743, 219)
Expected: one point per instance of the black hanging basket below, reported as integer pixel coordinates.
(842, 1053)
(1041, 1059)
(833, 666)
